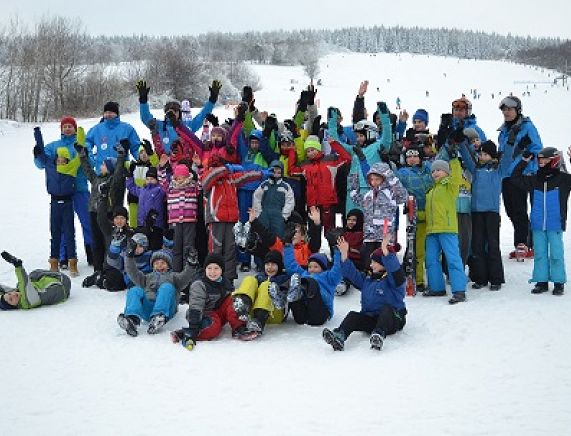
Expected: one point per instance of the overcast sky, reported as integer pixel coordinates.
(169, 17)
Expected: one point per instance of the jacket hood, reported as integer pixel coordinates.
(357, 213)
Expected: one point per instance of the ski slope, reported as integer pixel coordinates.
(496, 365)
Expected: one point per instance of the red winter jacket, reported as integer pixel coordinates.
(320, 174)
(221, 199)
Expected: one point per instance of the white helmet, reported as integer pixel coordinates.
(367, 128)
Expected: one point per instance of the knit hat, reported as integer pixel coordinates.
(4, 305)
(277, 164)
(110, 163)
(312, 141)
(214, 258)
(421, 115)
(111, 106)
(68, 120)
(440, 165)
(490, 148)
(162, 255)
(120, 211)
(141, 239)
(181, 171)
(276, 257)
(296, 218)
(377, 255)
(471, 133)
(320, 258)
(152, 172)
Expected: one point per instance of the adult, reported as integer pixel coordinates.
(164, 127)
(518, 130)
(102, 139)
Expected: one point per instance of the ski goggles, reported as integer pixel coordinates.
(508, 102)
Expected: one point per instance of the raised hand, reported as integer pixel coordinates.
(363, 88)
(143, 90)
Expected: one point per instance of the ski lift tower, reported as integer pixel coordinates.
(564, 75)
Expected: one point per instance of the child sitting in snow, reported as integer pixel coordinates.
(39, 288)
(253, 297)
(154, 297)
(115, 278)
(383, 310)
(210, 306)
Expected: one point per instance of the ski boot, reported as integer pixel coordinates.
(11, 259)
(342, 288)
(540, 288)
(128, 323)
(242, 305)
(156, 322)
(295, 291)
(430, 293)
(377, 340)
(252, 331)
(478, 285)
(457, 297)
(278, 295)
(91, 280)
(558, 289)
(520, 252)
(335, 338)
(495, 287)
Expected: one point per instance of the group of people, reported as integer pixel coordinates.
(255, 189)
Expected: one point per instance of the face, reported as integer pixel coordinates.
(119, 221)
(459, 112)
(542, 161)
(139, 250)
(217, 137)
(298, 236)
(68, 129)
(143, 157)
(61, 160)
(160, 265)
(103, 169)
(213, 271)
(413, 160)
(108, 115)
(12, 298)
(438, 174)
(277, 172)
(509, 113)
(285, 146)
(361, 139)
(179, 179)
(351, 221)
(476, 143)
(254, 144)
(485, 157)
(377, 267)
(419, 125)
(151, 181)
(271, 269)
(311, 153)
(314, 268)
(375, 180)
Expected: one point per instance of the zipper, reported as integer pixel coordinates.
(545, 205)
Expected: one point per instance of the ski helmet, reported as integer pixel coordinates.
(368, 129)
(511, 101)
(463, 102)
(551, 153)
(141, 239)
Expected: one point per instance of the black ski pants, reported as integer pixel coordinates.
(515, 203)
(486, 263)
(387, 322)
(310, 309)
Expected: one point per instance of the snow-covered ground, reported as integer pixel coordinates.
(496, 365)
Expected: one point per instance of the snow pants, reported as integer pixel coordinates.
(184, 238)
(310, 309)
(259, 294)
(447, 243)
(213, 321)
(549, 259)
(81, 209)
(62, 226)
(486, 264)
(387, 322)
(515, 203)
(137, 303)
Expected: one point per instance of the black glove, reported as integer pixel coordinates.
(229, 150)
(289, 233)
(383, 107)
(457, 136)
(311, 91)
(214, 90)
(303, 101)
(290, 125)
(316, 125)
(333, 235)
(446, 120)
(212, 119)
(148, 147)
(270, 125)
(172, 117)
(452, 150)
(11, 259)
(80, 149)
(38, 150)
(104, 189)
(527, 154)
(143, 91)
(131, 247)
(192, 257)
(151, 218)
(359, 152)
(513, 133)
(525, 141)
(122, 148)
(152, 125)
(242, 108)
(247, 94)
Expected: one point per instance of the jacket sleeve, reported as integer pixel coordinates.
(267, 238)
(29, 296)
(343, 157)
(314, 235)
(291, 265)
(132, 187)
(351, 273)
(159, 147)
(268, 154)
(257, 199)
(136, 276)
(467, 158)
(506, 161)
(197, 301)
(87, 168)
(189, 138)
(289, 204)
(212, 176)
(311, 116)
(292, 168)
(134, 142)
(183, 278)
(394, 268)
(455, 177)
(387, 133)
(198, 120)
(524, 182)
(145, 113)
(358, 109)
(334, 275)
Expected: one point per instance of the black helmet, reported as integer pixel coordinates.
(551, 153)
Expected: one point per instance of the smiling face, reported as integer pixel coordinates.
(311, 152)
(12, 298)
(351, 221)
(271, 269)
(484, 157)
(68, 129)
(375, 180)
(438, 174)
(376, 267)
(419, 125)
(119, 221)
(509, 113)
(160, 265)
(213, 271)
(314, 267)
(108, 115)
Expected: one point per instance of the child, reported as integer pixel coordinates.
(154, 297)
(61, 173)
(138, 171)
(550, 188)
(40, 288)
(442, 232)
(182, 192)
(310, 293)
(114, 277)
(151, 197)
(379, 204)
(383, 311)
(210, 306)
(253, 296)
(486, 260)
(353, 234)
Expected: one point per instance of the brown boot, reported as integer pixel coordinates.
(73, 272)
(54, 264)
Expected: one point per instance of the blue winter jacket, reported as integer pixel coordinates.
(417, 181)
(487, 179)
(67, 142)
(102, 139)
(327, 280)
(58, 184)
(165, 128)
(535, 145)
(377, 292)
